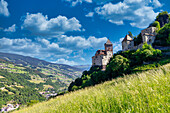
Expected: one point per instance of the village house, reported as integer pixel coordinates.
(102, 57)
(148, 36)
(9, 107)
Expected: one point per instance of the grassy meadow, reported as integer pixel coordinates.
(146, 92)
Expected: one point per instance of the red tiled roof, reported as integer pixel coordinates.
(100, 52)
(108, 42)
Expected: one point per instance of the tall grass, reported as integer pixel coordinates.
(147, 92)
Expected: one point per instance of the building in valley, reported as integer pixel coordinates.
(102, 57)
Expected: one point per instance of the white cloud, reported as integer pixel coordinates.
(117, 46)
(117, 22)
(41, 48)
(3, 8)
(75, 2)
(90, 14)
(80, 43)
(81, 58)
(156, 3)
(62, 47)
(40, 25)
(11, 29)
(97, 42)
(140, 13)
(64, 61)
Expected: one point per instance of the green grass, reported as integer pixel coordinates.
(154, 65)
(2, 77)
(146, 92)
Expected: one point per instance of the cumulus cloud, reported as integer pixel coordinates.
(4, 8)
(11, 29)
(75, 2)
(40, 25)
(41, 48)
(117, 46)
(64, 61)
(81, 58)
(140, 13)
(156, 3)
(79, 42)
(90, 14)
(61, 47)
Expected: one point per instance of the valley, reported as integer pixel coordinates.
(38, 80)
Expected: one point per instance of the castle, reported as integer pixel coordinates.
(102, 57)
(148, 36)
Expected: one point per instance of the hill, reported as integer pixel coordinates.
(141, 92)
(16, 85)
(64, 73)
(23, 79)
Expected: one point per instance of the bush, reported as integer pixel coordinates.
(147, 53)
(156, 24)
(163, 36)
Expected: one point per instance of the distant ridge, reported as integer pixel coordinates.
(27, 60)
(82, 67)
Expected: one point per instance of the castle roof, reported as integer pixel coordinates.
(144, 30)
(127, 38)
(108, 42)
(100, 52)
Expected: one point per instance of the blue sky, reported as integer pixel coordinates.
(70, 31)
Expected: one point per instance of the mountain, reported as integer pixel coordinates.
(16, 84)
(23, 75)
(33, 62)
(141, 92)
(23, 78)
(64, 73)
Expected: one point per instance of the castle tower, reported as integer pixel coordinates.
(108, 46)
(102, 57)
(127, 43)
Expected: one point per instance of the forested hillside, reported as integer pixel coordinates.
(15, 85)
(23, 79)
(122, 63)
(64, 73)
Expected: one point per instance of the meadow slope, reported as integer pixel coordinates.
(144, 92)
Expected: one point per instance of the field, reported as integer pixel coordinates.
(144, 92)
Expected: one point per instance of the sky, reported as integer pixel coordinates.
(70, 31)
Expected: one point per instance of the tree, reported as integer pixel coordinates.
(163, 38)
(130, 34)
(156, 24)
(118, 66)
(138, 40)
(147, 53)
(162, 13)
